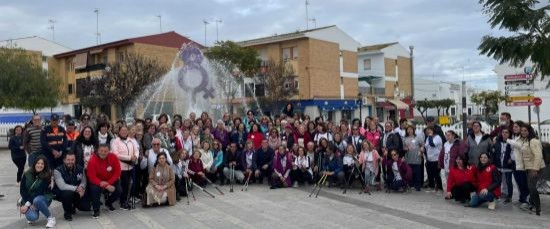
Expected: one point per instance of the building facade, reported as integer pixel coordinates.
(385, 75)
(325, 62)
(43, 51)
(76, 66)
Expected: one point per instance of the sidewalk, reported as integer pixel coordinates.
(284, 208)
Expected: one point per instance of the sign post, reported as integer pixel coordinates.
(537, 102)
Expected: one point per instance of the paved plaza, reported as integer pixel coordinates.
(285, 208)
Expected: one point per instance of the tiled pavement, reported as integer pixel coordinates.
(285, 208)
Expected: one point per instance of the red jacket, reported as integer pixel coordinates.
(488, 178)
(107, 169)
(305, 136)
(257, 138)
(196, 166)
(460, 176)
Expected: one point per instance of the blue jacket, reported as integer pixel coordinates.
(335, 165)
(264, 157)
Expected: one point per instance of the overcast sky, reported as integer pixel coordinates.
(445, 33)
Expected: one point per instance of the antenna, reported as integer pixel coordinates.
(52, 27)
(217, 21)
(98, 39)
(314, 22)
(160, 22)
(307, 15)
(205, 23)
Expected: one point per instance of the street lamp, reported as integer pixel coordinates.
(411, 48)
(360, 103)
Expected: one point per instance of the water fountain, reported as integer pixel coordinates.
(193, 84)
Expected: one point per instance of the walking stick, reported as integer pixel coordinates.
(214, 185)
(317, 184)
(231, 177)
(245, 186)
(202, 189)
(187, 191)
(323, 184)
(192, 193)
(130, 185)
(349, 179)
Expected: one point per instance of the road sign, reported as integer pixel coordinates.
(536, 109)
(519, 104)
(518, 77)
(521, 98)
(537, 101)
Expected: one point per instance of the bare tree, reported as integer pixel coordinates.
(280, 84)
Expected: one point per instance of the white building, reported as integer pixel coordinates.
(426, 89)
(539, 90)
(48, 49)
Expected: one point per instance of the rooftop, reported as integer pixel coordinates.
(377, 47)
(281, 37)
(168, 39)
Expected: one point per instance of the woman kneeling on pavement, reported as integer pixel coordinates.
(487, 179)
(399, 173)
(36, 192)
(161, 187)
(460, 182)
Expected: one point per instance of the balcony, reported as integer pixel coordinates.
(91, 68)
(373, 91)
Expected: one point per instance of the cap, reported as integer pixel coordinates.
(54, 117)
(430, 119)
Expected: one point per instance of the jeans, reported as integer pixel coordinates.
(478, 199)
(434, 175)
(507, 186)
(417, 176)
(41, 206)
(462, 192)
(521, 182)
(96, 191)
(32, 157)
(70, 200)
(264, 173)
(396, 185)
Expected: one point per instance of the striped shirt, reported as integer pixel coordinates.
(32, 139)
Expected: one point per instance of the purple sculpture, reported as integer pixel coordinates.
(192, 58)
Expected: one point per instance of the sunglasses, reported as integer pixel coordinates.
(156, 144)
(86, 119)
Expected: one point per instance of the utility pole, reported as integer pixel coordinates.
(314, 22)
(411, 48)
(217, 21)
(205, 23)
(96, 11)
(52, 27)
(307, 15)
(160, 22)
(464, 110)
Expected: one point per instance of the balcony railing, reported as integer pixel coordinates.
(373, 91)
(93, 67)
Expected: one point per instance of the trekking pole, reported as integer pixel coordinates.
(187, 191)
(317, 184)
(321, 186)
(130, 185)
(214, 185)
(202, 189)
(346, 187)
(245, 186)
(231, 177)
(192, 193)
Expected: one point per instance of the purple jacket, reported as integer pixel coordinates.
(222, 136)
(278, 167)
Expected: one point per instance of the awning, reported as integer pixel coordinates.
(81, 60)
(400, 105)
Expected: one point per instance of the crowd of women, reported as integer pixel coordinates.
(159, 161)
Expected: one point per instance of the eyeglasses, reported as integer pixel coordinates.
(85, 119)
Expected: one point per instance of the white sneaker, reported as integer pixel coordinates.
(295, 184)
(492, 205)
(51, 222)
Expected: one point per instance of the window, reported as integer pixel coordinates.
(287, 55)
(104, 61)
(44, 59)
(453, 111)
(120, 56)
(366, 64)
(295, 53)
(70, 89)
(259, 90)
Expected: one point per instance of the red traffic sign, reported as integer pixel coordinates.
(537, 101)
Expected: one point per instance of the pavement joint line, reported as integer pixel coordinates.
(392, 211)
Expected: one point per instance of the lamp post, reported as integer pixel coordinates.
(411, 48)
(360, 103)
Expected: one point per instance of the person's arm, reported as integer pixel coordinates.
(438, 141)
(26, 141)
(92, 173)
(536, 149)
(143, 163)
(44, 142)
(171, 179)
(65, 141)
(497, 179)
(61, 184)
(152, 177)
(440, 162)
(450, 181)
(24, 192)
(116, 170)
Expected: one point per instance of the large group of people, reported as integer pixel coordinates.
(157, 161)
